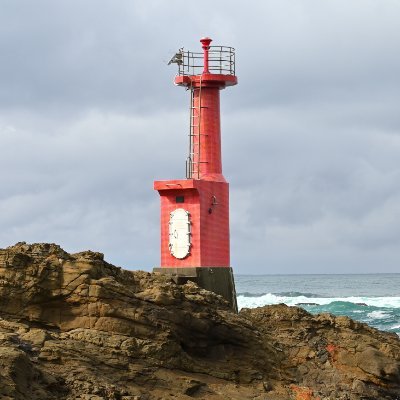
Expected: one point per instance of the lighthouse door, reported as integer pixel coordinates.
(179, 233)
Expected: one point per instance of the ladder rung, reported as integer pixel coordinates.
(195, 144)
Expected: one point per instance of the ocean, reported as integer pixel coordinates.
(370, 298)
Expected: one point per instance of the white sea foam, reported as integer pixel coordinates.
(269, 298)
(378, 314)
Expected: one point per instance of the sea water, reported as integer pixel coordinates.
(370, 298)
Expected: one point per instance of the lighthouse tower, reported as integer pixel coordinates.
(195, 210)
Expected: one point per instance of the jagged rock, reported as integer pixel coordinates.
(73, 326)
(330, 356)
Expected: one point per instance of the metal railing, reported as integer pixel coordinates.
(221, 60)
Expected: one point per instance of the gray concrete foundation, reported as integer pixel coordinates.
(215, 279)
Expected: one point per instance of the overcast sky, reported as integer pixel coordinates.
(89, 117)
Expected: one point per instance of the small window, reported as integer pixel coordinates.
(180, 199)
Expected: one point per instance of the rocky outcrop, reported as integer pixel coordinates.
(331, 357)
(73, 326)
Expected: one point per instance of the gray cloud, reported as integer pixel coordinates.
(311, 135)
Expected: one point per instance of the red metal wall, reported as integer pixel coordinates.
(210, 130)
(210, 231)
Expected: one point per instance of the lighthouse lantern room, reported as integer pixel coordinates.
(195, 210)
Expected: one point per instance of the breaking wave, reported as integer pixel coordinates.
(246, 300)
(380, 312)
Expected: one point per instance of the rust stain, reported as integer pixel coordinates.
(303, 393)
(333, 350)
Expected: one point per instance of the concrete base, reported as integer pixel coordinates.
(215, 279)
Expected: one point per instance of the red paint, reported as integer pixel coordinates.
(210, 230)
(206, 46)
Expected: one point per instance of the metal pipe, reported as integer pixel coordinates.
(206, 46)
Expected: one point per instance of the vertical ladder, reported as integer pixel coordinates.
(193, 162)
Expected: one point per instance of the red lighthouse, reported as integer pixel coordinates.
(195, 210)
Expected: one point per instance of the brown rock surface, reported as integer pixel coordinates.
(73, 326)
